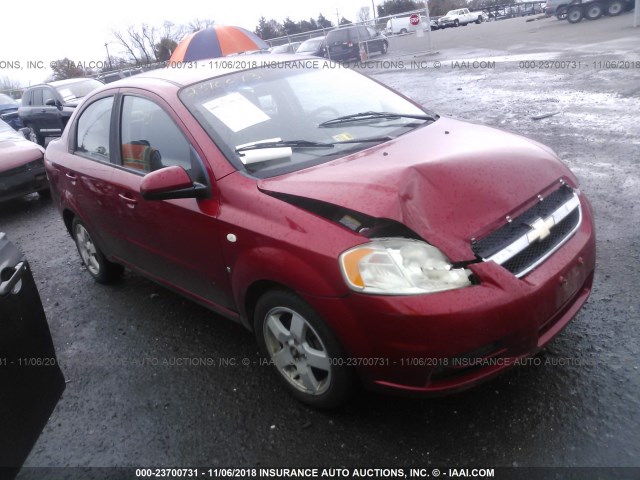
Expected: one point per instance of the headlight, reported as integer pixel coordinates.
(398, 266)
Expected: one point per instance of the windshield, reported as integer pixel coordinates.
(7, 133)
(310, 45)
(71, 91)
(277, 105)
(7, 100)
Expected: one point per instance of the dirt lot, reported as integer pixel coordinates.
(115, 413)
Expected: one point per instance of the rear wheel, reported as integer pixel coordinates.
(594, 11)
(575, 14)
(479, 20)
(456, 23)
(98, 266)
(303, 350)
(385, 48)
(615, 8)
(403, 31)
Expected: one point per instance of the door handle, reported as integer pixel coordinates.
(131, 202)
(71, 177)
(8, 285)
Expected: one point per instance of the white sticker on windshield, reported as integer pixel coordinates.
(236, 112)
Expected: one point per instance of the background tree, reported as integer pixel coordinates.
(290, 27)
(267, 29)
(7, 84)
(364, 14)
(199, 24)
(145, 44)
(66, 68)
(394, 7)
(323, 22)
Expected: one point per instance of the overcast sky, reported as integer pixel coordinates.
(41, 31)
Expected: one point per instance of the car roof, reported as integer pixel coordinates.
(68, 81)
(182, 74)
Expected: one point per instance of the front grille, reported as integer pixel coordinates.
(13, 171)
(517, 246)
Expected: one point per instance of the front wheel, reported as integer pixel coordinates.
(561, 13)
(99, 267)
(304, 352)
(456, 23)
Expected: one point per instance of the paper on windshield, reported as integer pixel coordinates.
(236, 112)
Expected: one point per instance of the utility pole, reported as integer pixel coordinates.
(338, 17)
(106, 45)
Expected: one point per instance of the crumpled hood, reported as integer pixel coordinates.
(449, 181)
(16, 153)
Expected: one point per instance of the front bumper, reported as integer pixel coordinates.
(21, 183)
(450, 341)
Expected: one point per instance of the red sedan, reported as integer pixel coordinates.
(357, 234)
(21, 165)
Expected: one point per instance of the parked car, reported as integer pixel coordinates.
(9, 111)
(46, 108)
(21, 165)
(286, 48)
(31, 382)
(313, 46)
(460, 16)
(353, 43)
(403, 25)
(356, 233)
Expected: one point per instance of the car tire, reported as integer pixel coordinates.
(615, 8)
(403, 31)
(594, 11)
(385, 48)
(97, 265)
(290, 333)
(561, 13)
(575, 14)
(456, 23)
(479, 20)
(35, 137)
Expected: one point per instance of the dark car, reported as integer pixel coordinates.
(355, 232)
(46, 108)
(313, 46)
(31, 381)
(354, 43)
(21, 165)
(9, 111)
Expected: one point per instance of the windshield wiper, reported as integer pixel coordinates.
(370, 115)
(309, 144)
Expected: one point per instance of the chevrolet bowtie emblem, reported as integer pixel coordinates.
(541, 229)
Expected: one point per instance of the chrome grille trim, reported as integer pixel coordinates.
(522, 242)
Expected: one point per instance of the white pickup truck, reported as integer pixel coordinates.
(460, 16)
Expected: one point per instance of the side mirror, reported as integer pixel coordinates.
(171, 183)
(52, 103)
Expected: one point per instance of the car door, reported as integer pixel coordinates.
(31, 382)
(84, 172)
(174, 241)
(49, 117)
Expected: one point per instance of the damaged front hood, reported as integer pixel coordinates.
(449, 182)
